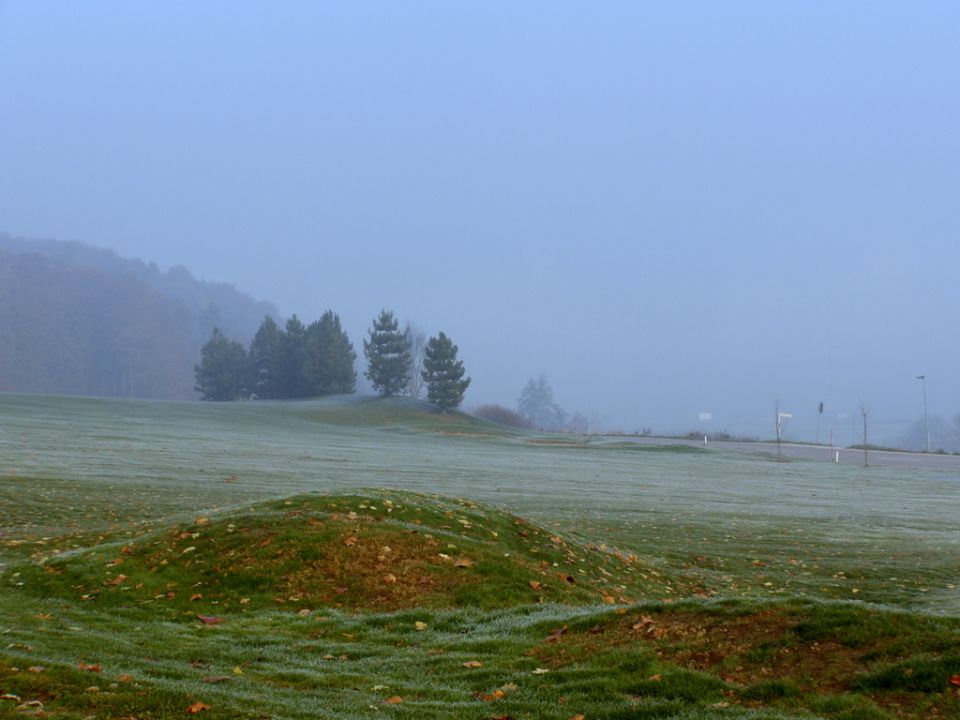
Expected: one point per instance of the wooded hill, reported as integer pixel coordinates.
(79, 320)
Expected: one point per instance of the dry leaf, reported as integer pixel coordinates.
(556, 634)
(473, 664)
(210, 619)
(124, 678)
(395, 700)
(350, 541)
(463, 563)
(198, 707)
(214, 679)
(541, 671)
(36, 669)
(955, 680)
(536, 585)
(420, 625)
(389, 579)
(95, 667)
(655, 678)
(201, 521)
(579, 716)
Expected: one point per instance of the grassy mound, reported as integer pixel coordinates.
(383, 551)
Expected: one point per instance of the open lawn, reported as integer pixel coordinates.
(365, 558)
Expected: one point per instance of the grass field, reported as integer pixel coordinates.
(364, 558)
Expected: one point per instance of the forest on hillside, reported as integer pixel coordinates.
(79, 320)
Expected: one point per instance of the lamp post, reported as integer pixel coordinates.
(926, 421)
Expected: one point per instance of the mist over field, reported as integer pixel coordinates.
(666, 210)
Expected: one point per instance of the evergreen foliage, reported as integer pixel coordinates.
(329, 357)
(443, 373)
(222, 371)
(388, 355)
(266, 360)
(293, 381)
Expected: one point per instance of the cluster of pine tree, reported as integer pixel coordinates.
(297, 361)
(308, 361)
(390, 364)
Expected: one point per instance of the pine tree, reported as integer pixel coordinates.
(388, 355)
(292, 381)
(329, 357)
(443, 373)
(265, 360)
(222, 371)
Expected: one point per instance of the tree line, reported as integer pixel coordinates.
(301, 361)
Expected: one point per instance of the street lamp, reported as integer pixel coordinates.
(926, 421)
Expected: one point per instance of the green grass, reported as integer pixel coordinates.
(671, 582)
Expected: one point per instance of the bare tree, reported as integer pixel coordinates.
(417, 339)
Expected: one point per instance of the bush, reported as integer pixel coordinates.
(501, 416)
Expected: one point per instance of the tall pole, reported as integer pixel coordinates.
(926, 420)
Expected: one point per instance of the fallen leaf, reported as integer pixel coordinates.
(395, 700)
(210, 619)
(201, 521)
(214, 679)
(955, 680)
(473, 664)
(541, 671)
(389, 579)
(463, 563)
(556, 634)
(655, 678)
(536, 585)
(198, 707)
(495, 695)
(36, 669)
(196, 596)
(420, 625)
(579, 716)
(237, 670)
(124, 678)
(350, 541)
(95, 667)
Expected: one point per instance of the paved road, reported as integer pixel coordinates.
(885, 458)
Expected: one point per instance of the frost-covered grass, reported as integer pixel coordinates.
(714, 533)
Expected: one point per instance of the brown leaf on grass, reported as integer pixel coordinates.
(196, 596)
(198, 707)
(579, 716)
(118, 580)
(535, 584)
(490, 697)
(955, 680)
(389, 579)
(124, 678)
(350, 541)
(395, 700)
(596, 629)
(463, 563)
(473, 664)
(655, 678)
(201, 521)
(93, 667)
(556, 634)
(36, 669)
(643, 622)
(210, 619)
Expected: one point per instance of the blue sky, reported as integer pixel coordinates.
(665, 207)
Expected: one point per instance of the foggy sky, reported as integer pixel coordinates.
(667, 208)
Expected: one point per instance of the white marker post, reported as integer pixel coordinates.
(705, 417)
